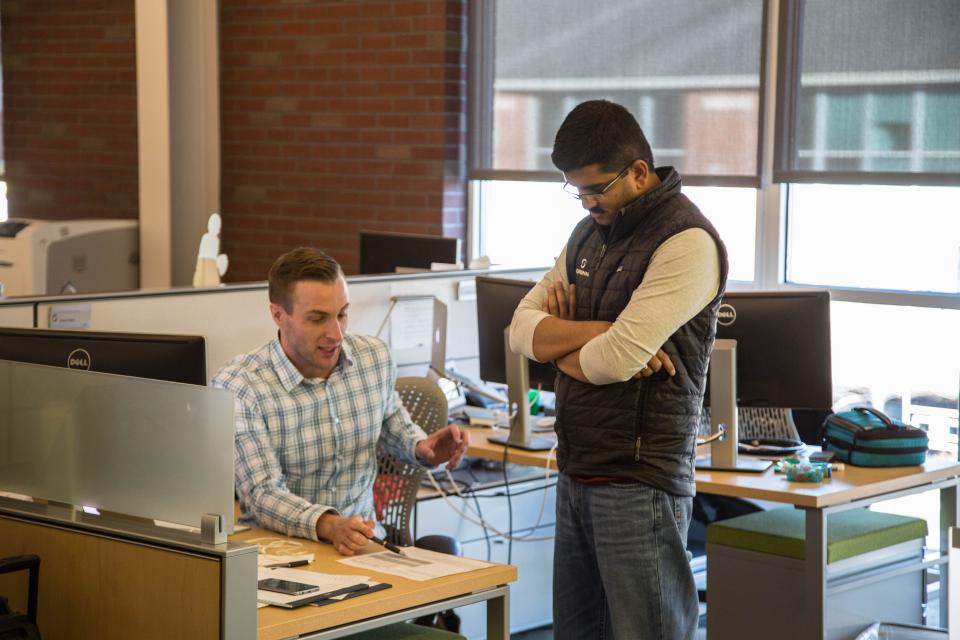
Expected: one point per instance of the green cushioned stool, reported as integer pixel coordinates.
(782, 532)
(756, 573)
(406, 631)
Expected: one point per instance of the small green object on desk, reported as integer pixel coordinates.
(806, 471)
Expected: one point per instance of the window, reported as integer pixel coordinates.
(515, 232)
(873, 94)
(690, 74)
(526, 223)
(733, 212)
(874, 237)
(851, 184)
(698, 105)
(901, 360)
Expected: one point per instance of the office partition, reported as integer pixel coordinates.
(16, 314)
(145, 448)
(235, 318)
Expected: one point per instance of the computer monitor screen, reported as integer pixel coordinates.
(173, 358)
(497, 299)
(783, 347)
(385, 252)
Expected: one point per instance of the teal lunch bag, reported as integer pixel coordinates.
(869, 438)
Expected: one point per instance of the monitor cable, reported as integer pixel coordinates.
(529, 537)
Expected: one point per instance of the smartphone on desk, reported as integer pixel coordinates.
(287, 587)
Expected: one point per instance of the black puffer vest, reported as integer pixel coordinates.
(641, 430)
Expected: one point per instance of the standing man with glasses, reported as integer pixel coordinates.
(628, 314)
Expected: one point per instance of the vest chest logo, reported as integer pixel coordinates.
(581, 270)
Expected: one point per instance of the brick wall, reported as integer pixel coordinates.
(70, 108)
(339, 116)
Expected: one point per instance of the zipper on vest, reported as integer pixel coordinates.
(638, 419)
(603, 250)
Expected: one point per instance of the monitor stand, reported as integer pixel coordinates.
(749, 465)
(723, 414)
(518, 404)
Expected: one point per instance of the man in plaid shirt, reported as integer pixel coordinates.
(311, 406)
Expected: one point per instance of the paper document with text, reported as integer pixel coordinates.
(417, 564)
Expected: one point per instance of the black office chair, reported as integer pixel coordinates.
(18, 626)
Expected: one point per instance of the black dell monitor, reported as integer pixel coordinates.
(783, 347)
(497, 299)
(772, 352)
(174, 358)
(386, 252)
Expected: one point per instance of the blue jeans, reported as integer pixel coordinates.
(620, 566)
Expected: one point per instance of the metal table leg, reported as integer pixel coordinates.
(498, 617)
(948, 518)
(815, 573)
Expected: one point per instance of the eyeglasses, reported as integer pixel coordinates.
(598, 195)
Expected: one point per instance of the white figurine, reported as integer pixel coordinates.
(211, 264)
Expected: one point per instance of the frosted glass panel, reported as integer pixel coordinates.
(159, 450)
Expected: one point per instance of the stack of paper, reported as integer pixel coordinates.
(416, 564)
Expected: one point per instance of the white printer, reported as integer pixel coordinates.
(39, 257)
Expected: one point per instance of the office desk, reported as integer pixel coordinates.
(852, 488)
(480, 447)
(406, 599)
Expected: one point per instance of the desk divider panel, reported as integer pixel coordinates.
(16, 315)
(235, 318)
(145, 448)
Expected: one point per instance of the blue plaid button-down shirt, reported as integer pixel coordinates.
(305, 446)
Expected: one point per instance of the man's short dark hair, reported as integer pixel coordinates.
(599, 132)
(302, 263)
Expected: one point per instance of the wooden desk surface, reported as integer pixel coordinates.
(275, 623)
(853, 483)
(482, 448)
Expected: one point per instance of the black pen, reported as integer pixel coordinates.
(388, 545)
(295, 563)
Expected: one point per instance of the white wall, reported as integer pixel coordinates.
(235, 319)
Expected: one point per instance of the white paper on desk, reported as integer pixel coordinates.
(325, 581)
(419, 564)
(411, 323)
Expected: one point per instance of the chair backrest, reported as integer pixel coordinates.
(395, 489)
(759, 422)
(425, 401)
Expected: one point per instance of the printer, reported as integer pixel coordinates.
(41, 257)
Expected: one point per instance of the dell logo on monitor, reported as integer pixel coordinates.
(78, 359)
(726, 315)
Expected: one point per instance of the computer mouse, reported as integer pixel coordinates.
(547, 422)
